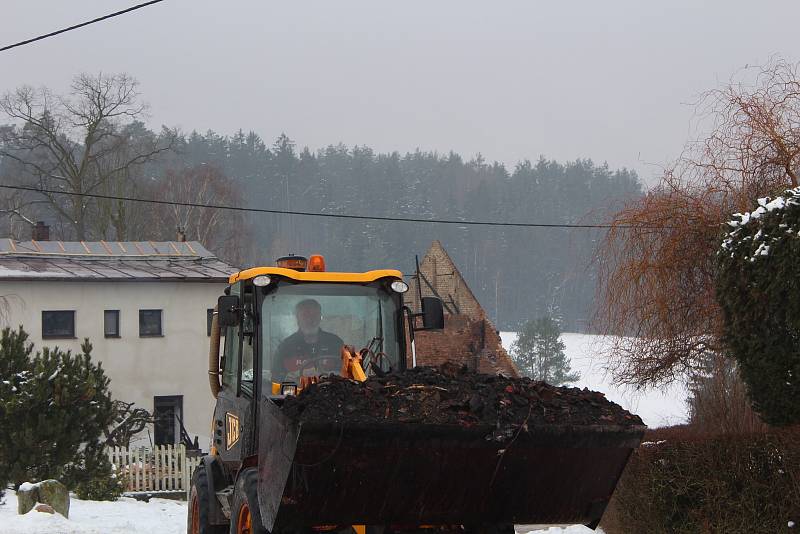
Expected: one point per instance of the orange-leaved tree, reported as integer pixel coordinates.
(657, 261)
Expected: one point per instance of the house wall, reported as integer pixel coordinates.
(139, 368)
(465, 341)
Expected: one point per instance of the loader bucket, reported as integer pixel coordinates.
(402, 474)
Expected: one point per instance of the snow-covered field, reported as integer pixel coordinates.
(126, 516)
(655, 407)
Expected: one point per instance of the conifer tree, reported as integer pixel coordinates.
(539, 354)
(54, 409)
(14, 375)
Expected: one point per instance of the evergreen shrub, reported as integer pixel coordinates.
(105, 486)
(758, 288)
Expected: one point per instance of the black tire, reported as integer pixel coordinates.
(199, 506)
(246, 494)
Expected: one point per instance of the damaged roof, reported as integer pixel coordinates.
(111, 260)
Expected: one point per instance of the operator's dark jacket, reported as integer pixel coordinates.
(294, 350)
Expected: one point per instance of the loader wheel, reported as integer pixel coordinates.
(197, 522)
(245, 514)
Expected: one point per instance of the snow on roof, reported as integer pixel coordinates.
(108, 260)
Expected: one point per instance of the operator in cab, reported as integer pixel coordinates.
(310, 348)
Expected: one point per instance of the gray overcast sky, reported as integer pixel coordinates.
(611, 81)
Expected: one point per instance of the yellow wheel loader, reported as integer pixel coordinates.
(284, 329)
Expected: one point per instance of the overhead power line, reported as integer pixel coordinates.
(326, 215)
(81, 25)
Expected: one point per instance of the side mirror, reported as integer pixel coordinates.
(228, 310)
(432, 313)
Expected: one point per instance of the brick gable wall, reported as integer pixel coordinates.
(469, 338)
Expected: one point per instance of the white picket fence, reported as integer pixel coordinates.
(164, 468)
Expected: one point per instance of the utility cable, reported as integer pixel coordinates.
(329, 215)
(81, 25)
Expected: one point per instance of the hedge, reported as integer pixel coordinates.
(747, 483)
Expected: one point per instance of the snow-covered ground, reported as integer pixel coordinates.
(655, 407)
(127, 516)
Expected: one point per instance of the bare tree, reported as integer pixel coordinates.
(128, 423)
(656, 264)
(219, 230)
(81, 142)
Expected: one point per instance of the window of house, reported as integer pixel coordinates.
(150, 323)
(209, 317)
(58, 324)
(111, 323)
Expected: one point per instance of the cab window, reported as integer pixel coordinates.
(230, 370)
(305, 325)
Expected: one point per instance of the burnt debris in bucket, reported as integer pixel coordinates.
(452, 395)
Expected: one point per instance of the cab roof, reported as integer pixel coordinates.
(324, 276)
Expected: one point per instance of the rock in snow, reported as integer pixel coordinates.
(44, 508)
(27, 496)
(50, 492)
(55, 494)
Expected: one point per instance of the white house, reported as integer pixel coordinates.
(145, 307)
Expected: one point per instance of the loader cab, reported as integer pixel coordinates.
(281, 330)
(281, 325)
(304, 325)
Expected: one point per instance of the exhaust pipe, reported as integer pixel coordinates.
(213, 356)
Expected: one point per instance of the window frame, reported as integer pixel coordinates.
(249, 306)
(160, 322)
(118, 334)
(58, 336)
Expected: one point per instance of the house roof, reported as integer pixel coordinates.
(110, 260)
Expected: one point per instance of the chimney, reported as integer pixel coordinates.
(40, 232)
(181, 235)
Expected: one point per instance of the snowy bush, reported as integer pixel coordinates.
(54, 408)
(758, 289)
(104, 486)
